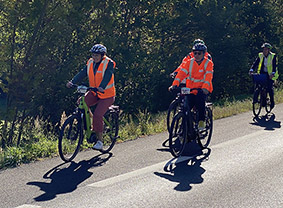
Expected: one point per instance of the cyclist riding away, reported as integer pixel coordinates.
(100, 72)
(198, 73)
(189, 56)
(266, 63)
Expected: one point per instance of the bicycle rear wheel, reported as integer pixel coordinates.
(70, 138)
(205, 136)
(111, 129)
(178, 134)
(257, 106)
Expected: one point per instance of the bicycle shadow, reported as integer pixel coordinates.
(185, 170)
(165, 144)
(66, 179)
(267, 121)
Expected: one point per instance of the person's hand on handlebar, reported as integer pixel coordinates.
(100, 89)
(172, 88)
(69, 84)
(251, 72)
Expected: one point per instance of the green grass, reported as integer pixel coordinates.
(44, 145)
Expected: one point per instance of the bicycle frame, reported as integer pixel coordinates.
(85, 115)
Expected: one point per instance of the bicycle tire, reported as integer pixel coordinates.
(70, 138)
(257, 106)
(172, 109)
(205, 137)
(110, 130)
(178, 134)
(268, 103)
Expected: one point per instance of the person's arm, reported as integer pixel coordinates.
(208, 78)
(80, 76)
(255, 65)
(107, 75)
(274, 64)
(182, 74)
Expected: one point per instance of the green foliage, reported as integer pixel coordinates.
(45, 43)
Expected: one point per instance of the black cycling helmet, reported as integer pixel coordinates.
(266, 45)
(199, 47)
(98, 48)
(196, 41)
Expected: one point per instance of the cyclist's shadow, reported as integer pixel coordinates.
(185, 171)
(267, 121)
(66, 179)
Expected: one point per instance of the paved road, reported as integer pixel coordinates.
(242, 168)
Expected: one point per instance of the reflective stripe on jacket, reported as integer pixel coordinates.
(196, 75)
(188, 57)
(270, 58)
(95, 80)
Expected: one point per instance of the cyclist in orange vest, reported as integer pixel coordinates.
(189, 56)
(100, 72)
(198, 73)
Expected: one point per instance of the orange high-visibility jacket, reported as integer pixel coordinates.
(188, 57)
(196, 75)
(95, 80)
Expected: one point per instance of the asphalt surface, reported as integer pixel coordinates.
(242, 168)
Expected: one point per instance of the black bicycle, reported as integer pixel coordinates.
(263, 100)
(174, 106)
(184, 126)
(77, 127)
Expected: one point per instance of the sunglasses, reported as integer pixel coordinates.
(197, 52)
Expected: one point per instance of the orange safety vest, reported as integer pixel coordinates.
(95, 80)
(188, 57)
(197, 76)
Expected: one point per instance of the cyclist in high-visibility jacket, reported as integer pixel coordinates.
(198, 72)
(189, 56)
(100, 72)
(266, 63)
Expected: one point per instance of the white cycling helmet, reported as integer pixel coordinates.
(98, 48)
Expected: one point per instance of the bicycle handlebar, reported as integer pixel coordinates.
(83, 89)
(179, 89)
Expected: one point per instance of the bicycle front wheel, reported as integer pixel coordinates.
(268, 103)
(257, 106)
(70, 138)
(171, 112)
(205, 137)
(178, 134)
(110, 132)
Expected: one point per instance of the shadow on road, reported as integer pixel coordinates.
(185, 170)
(267, 121)
(66, 177)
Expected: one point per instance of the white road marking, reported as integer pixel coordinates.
(28, 206)
(152, 168)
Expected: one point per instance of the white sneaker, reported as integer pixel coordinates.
(98, 145)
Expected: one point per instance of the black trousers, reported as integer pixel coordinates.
(198, 101)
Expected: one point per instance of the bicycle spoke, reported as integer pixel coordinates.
(70, 138)
(178, 135)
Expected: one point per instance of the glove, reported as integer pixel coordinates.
(173, 74)
(69, 84)
(172, 88)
